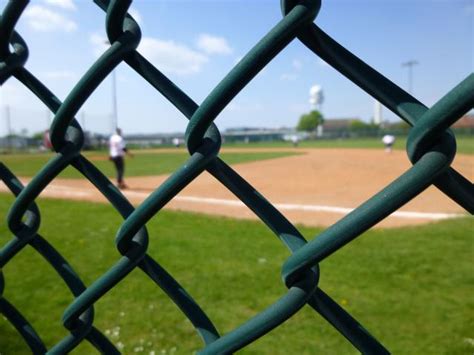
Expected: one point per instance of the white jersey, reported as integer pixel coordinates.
(116, 146)
(388, 139)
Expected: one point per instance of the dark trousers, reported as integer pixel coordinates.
(120, 167)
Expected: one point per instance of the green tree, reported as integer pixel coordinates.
(400, 126)
(38, 136)
(309, 121)
(358, 125)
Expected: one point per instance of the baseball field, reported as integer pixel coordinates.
(310, 185)
(410, 284)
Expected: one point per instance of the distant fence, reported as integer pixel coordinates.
(99, 141)
(17, 133)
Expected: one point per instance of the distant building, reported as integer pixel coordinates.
(465, 122)
(156, 139)
(339, 123)
(18, 143)
(338, 127)
(256, 134)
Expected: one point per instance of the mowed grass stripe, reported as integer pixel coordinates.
(142, 164)
(411, 287)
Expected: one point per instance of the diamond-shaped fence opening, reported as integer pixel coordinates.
(431, 148)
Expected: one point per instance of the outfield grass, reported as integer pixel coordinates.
(411, 287)
(465, 144)
(142, 164)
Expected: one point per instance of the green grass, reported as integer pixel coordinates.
(411, 287)
(142, 164)
(465, 144)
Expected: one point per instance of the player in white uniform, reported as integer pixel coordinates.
(117, 151)
(388, 140)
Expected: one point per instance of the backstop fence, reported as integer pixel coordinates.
(431, 148)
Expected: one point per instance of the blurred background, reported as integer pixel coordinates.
(424, 46)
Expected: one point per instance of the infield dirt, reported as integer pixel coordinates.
(329, 181)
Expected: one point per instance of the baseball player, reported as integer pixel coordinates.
(117, 151)
(388, 141)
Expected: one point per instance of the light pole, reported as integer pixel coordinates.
(9, 128)
(48, 118)
(410, 65)
(378, 114)
(316, 98)
(6, 113)
(114, 102)
(83, 120)
(114, 98)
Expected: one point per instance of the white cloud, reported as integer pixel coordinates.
(232, 106)
(12, 93)
(136, 15)
(213, 44)
(122, 79)
(244, 107)
(60, 75)
(42, 19)
(64, 4)
(297, 64)
(99, 42)
(172, 57)
(168, 56)
(288, 77)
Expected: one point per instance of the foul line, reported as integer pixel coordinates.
(71, 191)
(315, 208)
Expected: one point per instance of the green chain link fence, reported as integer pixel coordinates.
(431, 148)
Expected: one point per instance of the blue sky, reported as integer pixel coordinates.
(196, 43)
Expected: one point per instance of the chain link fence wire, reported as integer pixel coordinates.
(431, 148)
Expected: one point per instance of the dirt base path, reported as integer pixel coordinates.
(316, 188)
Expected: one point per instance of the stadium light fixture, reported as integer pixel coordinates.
(410, 64)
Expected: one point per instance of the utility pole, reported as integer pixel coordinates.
(48, 118)
(9, 127)
(114, 98)
(410, 64)
(378, 114)
(316, 99)
(114, 102)
(83, 120)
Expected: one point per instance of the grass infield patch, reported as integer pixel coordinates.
(411, 287)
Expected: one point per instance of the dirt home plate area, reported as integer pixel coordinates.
(316, 188)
